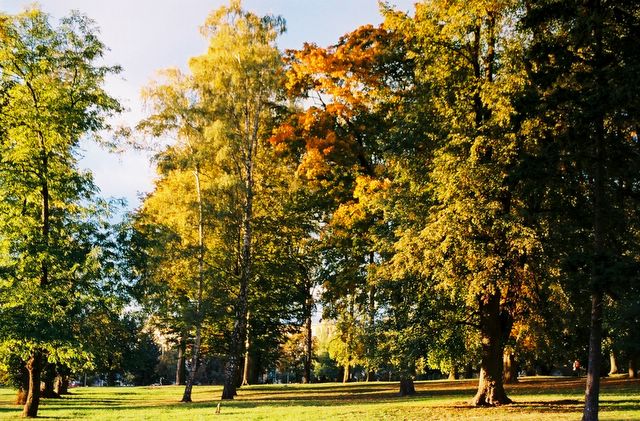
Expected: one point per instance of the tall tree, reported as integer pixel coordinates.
(477, 241)
(584, 62)
(177, 110)
(239, 77)
(337, 139)
(52, 96)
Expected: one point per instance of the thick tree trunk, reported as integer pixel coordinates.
(407, 387)
(61, 384)
(613, 363)
(229, 386)
(468, 371)
(255, 371)
(633, 366)
(48, 383)
(111, 377)
(32, 403)
(453, 373)
(510, 368)
(490, 387)
(180, 367)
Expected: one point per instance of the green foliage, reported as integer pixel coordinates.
(57, 259)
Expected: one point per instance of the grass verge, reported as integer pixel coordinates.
(536, 398)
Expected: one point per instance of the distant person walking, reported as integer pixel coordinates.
(576, 368)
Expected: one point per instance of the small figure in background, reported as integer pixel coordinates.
(576, 367)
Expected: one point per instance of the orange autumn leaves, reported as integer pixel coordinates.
(340, 86)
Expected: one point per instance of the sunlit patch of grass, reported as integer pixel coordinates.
(535, 398)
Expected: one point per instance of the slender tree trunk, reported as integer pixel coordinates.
(345, 374)
(407, 387)
(510, 368)
(232, 368)
(613, 361)
(34, 366)
(186, 396)
(245, 371)
(633, 366)
(592, 392)
(34, 363)
(371, 342)
(195, 352)
(180, 367)
(308, 359)
(44, 191)
(490, 387)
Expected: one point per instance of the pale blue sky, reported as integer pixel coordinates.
(147, 35)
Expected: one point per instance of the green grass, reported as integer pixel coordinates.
(536, 398)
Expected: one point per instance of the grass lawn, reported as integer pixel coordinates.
(536, 398)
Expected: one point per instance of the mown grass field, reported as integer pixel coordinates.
(535, 399)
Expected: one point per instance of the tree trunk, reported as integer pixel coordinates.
(245, 371)
(371, 375)
(21, 396)
(186, 396)
(232, 368)
(34, 366)
(48, 382)
(229, 386)
(490, 387)
(180, 367)
(407, 387)
(468, 371)
(246, 378)
(345, 374)
(453, 373)
(592, 392)
(308, 359)
(23, 390)
(633, 366)
(613, 362)
(111, 377)
(61, 384)
(195, 352)
(256, 370)
(510, 368)
(371, 340)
